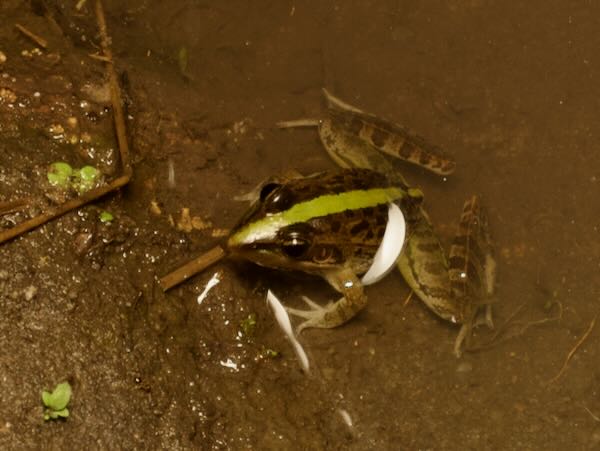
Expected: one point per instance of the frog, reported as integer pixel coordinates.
(331, 224)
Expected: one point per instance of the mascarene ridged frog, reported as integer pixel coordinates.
(331, 224)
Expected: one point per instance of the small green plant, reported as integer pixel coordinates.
(56, 401)
(60, 174)
(85, 179)
(106, 216)
(63, 176)
(271, 354)
(248, 325)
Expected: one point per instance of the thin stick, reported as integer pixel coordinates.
(408, 298)
(12, 206)
(574, 350)
(119, 120)
(192, 268)
(99, 57)
(298, 123)
(595, 417)
(34, 37)
(115, 92)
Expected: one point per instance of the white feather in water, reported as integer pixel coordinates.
(284, 322)
(390, 247)
(214, 280)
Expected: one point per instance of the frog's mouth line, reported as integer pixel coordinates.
(269, 255)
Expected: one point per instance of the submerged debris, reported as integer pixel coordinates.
(285, 324)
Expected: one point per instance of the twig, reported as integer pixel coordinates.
(12, 206)
(298, 123)
(119, 120)
(34, 37)
(595, 417)
(99, 57)
(192, 268)
(115, 92)
(574, 350)
(495, 340)
(408, 298)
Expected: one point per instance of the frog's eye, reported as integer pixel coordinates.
(294, 245)
(268, 189)
(276, 197)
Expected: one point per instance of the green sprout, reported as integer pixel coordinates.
(63, 176)
(248, 325)
(85, 179)
(56, 402)
(182, 60)
(106, 217)
(60, 174)
(271, 354)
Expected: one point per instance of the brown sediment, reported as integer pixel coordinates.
(119, 120)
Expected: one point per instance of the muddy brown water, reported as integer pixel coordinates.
(510, 89)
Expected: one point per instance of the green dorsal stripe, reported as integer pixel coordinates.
(320, 206)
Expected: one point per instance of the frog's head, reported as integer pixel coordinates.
(300, 223)
(275, 231)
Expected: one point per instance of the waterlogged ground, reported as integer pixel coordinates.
(510, 89)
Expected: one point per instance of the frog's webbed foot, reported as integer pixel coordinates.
(466, 330)
(315, 315)
(335, 313)
(484, 318)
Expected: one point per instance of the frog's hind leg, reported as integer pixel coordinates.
(335, 313)
(388, 137)
(472, 269)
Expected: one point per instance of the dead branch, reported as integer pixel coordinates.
(192, 268)
(41, 42)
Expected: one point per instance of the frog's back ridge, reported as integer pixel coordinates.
(334, 182)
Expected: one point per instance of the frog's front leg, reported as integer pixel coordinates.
(335, 313)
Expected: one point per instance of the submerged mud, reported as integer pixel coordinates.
(507, 90)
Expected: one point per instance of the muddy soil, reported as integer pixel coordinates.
(510, 89)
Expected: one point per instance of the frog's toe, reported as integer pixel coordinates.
(313, 319)
(313, 312)
(306, 314)
(314, 306)
(314, 315)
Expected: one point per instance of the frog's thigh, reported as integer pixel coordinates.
(423, 266)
